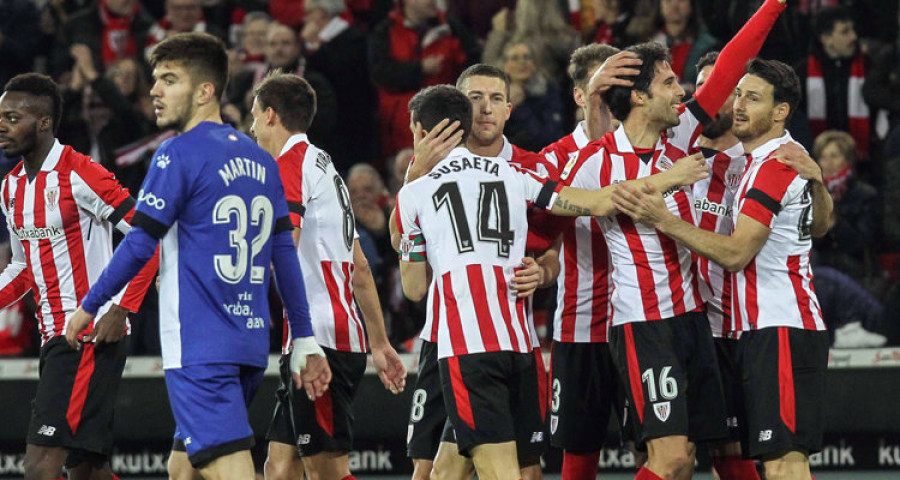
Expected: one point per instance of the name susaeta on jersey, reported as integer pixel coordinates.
(242, 167)
(465, 163)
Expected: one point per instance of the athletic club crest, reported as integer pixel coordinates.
(554, 423)
(733, 179)
(51, 197)
(662, 410)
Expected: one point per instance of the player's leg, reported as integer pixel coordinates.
(84, 465)
(179, 467)
(670, 457)
(427, 414)
(529, 404)
(44, 463)
(791, 465)
(237, 466)
(496, 461)
(727, 454)
(448, 463)
(283, 461)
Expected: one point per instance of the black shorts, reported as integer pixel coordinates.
(584, 391)
(76, 395)
(323, 425)
(427, 414)
(726, 349)
(671, 377)
(783, 372)
(495, 397)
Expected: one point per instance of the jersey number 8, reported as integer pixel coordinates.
(232, 268)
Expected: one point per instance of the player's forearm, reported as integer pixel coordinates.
(291, 284)
(14, 284)
(395, 232)
(135, 291)
(578, 202)
(366, 294)
(721, 249)
(549, 263)
(132, 255)
(823, 209)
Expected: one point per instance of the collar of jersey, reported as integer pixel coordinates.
(761, 152)
(293, 140)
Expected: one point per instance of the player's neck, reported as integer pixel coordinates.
(641, 133)
(721, 143)
(491, 150)
(205, 113)
(279, 139)
(776, 131)
(34, 159)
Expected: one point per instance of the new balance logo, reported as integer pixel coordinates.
(537, 437)
(304, 439)
(765, 435)
(46, 431)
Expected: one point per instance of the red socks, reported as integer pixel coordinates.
(349, 477)
(577, 466)
(735, 468)
(645, 474)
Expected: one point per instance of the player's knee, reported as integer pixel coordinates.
(277, 470)
(421, 470)
(676, 463)
(41, 469)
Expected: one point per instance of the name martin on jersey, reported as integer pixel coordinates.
(465, 163)
(242, 167)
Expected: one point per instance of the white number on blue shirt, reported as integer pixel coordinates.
(232, 268)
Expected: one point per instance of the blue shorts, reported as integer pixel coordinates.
(209, 403)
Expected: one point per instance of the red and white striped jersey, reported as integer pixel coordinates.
(714, 202)
(466, 218)
(653, 277)
(319, 203)
(582, 294)
(60, 225)
(775, 289)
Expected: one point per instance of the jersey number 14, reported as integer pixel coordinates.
(492, 200)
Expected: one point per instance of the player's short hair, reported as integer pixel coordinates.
(842, 140)
(708, 58)
(828, 17)
(585, 58)
(292, 98)
(783, 78)
(618, 97)
(435, 103)
(482, 70)
(202, 54)
(41, 86)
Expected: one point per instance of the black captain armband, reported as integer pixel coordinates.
(764, 199)
(546, 194)
(119, 213)
(297, 208)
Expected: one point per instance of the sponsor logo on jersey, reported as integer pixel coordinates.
(151, 200)
(733, 180)
(51, 197)
(38, 233)
(567, 170)
(163, 161)
(704, 205)
(662, 410)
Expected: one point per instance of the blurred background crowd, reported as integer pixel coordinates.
(367, 58)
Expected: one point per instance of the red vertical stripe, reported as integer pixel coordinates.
(48, 259)
(634, 373)
(803, 298)
(435, 314)
(750, 294)
(642, 268)
(673, 269)
(341, 328)
(600, 287)
(71, 220)
(325, 412)
(541, 381)
(80, 387)
(347, 269)
(460, 393)
(520, 313)
(737, 322)
(786, 380)
(716, 191)
(454, 324)
(570, 285)
(482, 310)
(503, 299)
(727, 324)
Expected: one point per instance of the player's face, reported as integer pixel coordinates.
(18, 123)
(173, 96)
(832, 160)
(725, 116)
(259, 128)
(490, 108)
(666, 96)
(754, 108)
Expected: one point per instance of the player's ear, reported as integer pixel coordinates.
(637, 97)
(205, 93)
(270, 116)
(579, 96)
(45, 123)
(781, 112)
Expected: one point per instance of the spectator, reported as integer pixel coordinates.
(680, 28)
(477, 14)
(19, 37)
(415, 47)
(252, 53)
(111, 29)
(283, 52)
(851, 244)
(287, 12)
(849, 310)
(881, 89)
(832, 79)
(611, 21)
(537, 114)
(181, 16)
(338, 50)
(400, 164)
(543, 24)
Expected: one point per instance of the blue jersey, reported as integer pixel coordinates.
(215, 200)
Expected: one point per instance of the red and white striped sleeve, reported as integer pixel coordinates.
(412, 242)
(290, 166)
(764, 198)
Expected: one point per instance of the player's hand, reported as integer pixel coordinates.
(622, 64)
(111, 327)
(643, 204)
(390, 368)
(690, 169)
(528, 278)
(77, 323)
(310, 367)
(795, 156)
(431, 147)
